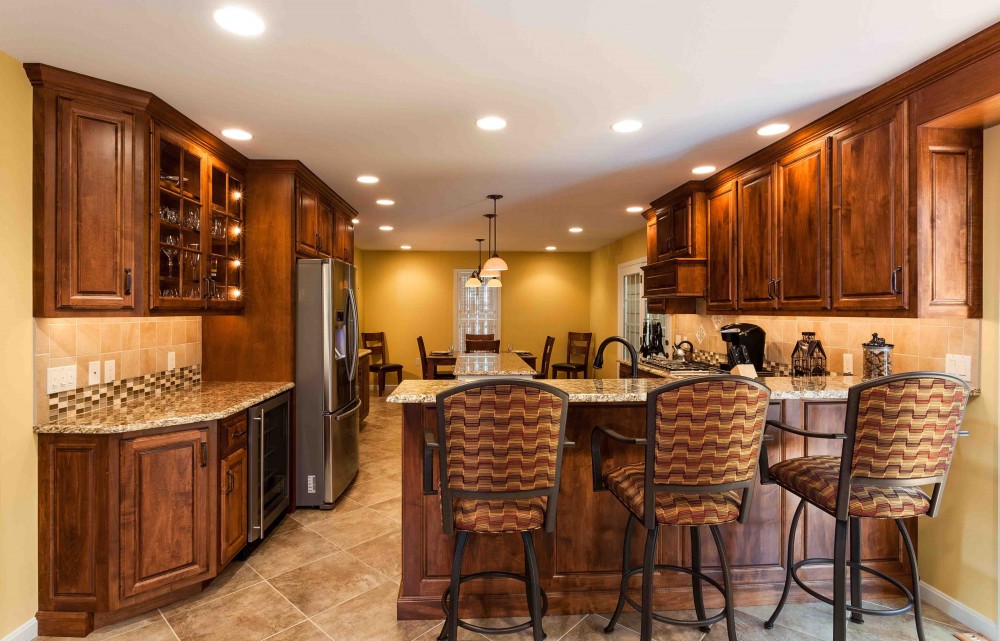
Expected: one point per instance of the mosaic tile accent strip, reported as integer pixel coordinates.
(94, 397)
(715, 358)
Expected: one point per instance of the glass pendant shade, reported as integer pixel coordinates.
(494, 282)
(495, 264)
(473, 282)
(489, 273)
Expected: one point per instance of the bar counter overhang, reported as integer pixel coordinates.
(580, 563)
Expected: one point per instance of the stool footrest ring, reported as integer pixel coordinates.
(715, 618)
(850, 608)
(511, 629)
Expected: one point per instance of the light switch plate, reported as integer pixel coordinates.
(171, 360)
(109, 371)
(960, 365)
(60, 379)
(848, 364)
(94, 373)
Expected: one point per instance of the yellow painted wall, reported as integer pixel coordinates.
(18, 477)
(406, 294)
(604, 290)
(958, 548)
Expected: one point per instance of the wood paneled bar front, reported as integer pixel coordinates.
(580, 563)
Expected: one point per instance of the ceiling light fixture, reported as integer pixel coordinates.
(635, 209)
(368, 180)
(773, 129)
(385, 228)
(491, 123)
(494, 263)
(550, 248)
(385, 202)
(474, 280)
(627, 126)
(355, 221)
(405, 247)
(237, 134)
(239, 20)
(703, 169)
(575, 230)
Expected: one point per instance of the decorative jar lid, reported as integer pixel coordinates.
(877, 343)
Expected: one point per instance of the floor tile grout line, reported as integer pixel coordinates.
(198, 606)
(169, 627)
(304, 615)
(362, 561)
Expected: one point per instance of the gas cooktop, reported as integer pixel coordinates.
(681, 368)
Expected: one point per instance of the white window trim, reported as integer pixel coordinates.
(456, 292)
(625, 269)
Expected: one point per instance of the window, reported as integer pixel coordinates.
(632, 307)
(477, 309)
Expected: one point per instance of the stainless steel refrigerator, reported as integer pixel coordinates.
(326, 385)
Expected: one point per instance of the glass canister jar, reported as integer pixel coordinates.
(877, 357)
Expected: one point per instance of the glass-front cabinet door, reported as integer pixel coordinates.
(196, 228)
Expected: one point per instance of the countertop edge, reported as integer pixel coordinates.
(171, 421)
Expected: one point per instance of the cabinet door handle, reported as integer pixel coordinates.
(895, 280)
(128, 281)
(204, 454)
(770, 289)
(777, 283)
(232, 482)
(704, 293)
(319, 242)
(237, 435)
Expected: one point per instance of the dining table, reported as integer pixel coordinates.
(445, 358)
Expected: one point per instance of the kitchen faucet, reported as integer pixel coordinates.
(599, 359)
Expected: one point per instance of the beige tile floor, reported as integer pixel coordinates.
(334, 574)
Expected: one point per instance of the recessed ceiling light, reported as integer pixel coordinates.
(385, 201)
(634, 209)
(385, 228)
(627, 126)
(491, 123)
(773, 129)
(405, 247)
(237, 134)
(550, 248)
(703, 169)
(575, 230)
(239, 20)
(368, 180)
(355, 221)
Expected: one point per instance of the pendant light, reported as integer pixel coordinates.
(495, 263)
(490, 277)
(474, 280)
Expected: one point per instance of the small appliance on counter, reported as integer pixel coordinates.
(877, 357)
(745, 346)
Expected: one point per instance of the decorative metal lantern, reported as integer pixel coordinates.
(809, 358)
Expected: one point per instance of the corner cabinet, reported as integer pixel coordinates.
(675, 272)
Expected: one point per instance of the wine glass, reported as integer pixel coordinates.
(171, 254)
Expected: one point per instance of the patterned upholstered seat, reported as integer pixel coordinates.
(626, 483)
(816, 478)
(500, 516)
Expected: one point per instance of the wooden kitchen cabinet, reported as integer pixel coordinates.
(675, 238)
(721, 290)
(756, 240)
(869, 208)
(344, 237)
(308, 241)
(232, 505)
(166, 511)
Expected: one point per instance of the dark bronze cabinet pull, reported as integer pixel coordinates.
(204, 454)
(895, 280)
(777, 283)
(232, 482)
(237, 435)
(128, 281)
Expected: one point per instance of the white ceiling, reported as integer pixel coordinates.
(394, 87)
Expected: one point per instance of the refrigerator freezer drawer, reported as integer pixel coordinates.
(342, 449)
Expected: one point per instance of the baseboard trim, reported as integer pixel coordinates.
(27, 632)
(958, 610)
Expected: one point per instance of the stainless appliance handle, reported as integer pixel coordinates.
(259, 517)
(351, 408)
(328, 341)
(352, 327)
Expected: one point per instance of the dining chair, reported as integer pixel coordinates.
(543, 371)
(482, 346)
(429, 370)
(577, 356)
(375, 341)
(478, 337)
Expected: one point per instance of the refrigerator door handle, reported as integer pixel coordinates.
(352, 328)
(351, 408)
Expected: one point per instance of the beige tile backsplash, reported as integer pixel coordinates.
(920, 344)
(137, 345)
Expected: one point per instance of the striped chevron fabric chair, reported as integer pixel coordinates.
(899, 436)
(500, 445)
(702, 442)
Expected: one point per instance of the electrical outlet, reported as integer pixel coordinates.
(848, 365)
(416, 361)
(960, 365)
(109, 371)
(94, 373)
(171, 360)
(60, 379)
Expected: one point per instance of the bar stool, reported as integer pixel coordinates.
(375, 341)
(703, 438)
(543, 371)
(500, 445)
(577, 355)
(900, 433)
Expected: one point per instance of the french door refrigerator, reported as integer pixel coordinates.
(326, 386)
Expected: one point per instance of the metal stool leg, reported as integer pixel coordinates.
(856, 617)
(699, 600)
(840, 582)
(449, 631)
(730, 608)
(624, 584)
(533, 589)
(646, 629)
(789, 561)
(916, 578)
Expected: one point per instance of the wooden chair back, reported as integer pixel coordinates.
(375, 341)
(483, 346)
(478, 337)
(550, 342)
(578, 348)
(424, 365)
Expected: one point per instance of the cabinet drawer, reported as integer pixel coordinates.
(682, 277)
(233, 432)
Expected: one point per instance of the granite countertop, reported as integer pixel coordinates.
(502, 364)
(630, 390)
(199, 402)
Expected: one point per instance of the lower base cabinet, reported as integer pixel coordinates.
(129, 522)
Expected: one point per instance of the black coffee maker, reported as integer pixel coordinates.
(745, 344)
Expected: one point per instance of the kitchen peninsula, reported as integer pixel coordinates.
(579, 563)
(471, 367)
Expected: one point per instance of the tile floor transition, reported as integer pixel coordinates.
(334, 575)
